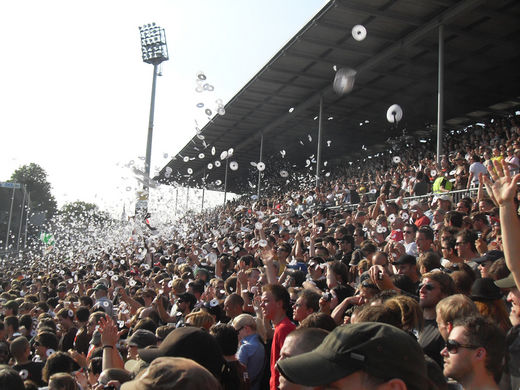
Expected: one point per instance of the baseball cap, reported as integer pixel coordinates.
(100, 286)
(406, 259)
(142, 338)
(413, 205)
(192, 343)
(507, 282)
(493, 255)
(173, 373)
(378, 349)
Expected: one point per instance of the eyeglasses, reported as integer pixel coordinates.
(427, 286)
(452, 346)
(239, 329)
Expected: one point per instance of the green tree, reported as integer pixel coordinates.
(80, 211)
(35, 178)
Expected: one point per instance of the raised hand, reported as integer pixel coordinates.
(502, 187)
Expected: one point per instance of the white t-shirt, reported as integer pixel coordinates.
(476, 168)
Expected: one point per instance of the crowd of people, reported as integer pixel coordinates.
(313, 288)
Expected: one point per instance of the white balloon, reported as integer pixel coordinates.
(233, 165)
(260, 166)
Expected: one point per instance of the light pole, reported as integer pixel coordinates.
(154, 51)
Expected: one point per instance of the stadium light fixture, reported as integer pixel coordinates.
(154, 51)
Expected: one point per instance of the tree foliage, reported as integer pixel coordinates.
(35, 178)
(82, 212)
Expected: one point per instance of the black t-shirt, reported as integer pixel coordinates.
(432, 342)
(31, 371)
(67, 340)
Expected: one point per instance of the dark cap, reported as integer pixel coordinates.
(406, 259)
(142, 338)
(490, 256)
(173, 373)
(192, 343)
(380, 350)
(484, 289)
(507, 282)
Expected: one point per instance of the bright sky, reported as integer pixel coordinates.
(75, 93)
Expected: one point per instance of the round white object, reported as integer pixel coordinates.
(394, 113)
(359, 32)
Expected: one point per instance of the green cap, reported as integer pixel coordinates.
(382, 351)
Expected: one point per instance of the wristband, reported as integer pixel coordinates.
(108, 346)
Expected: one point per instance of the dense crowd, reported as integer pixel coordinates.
(384, 274)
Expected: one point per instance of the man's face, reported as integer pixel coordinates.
(514, 298)
(407, 269)
(442, 326)
(229, 308)
(65, 323)
(423, 244)
(315, 270)
(270, 306)
(429, 293)
(462, 247)
(408, 234)
(253, 278)
(41, 351)
(458, 365)
(461, 207)
(300, 310)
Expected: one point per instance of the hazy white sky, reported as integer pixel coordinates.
(75, 94)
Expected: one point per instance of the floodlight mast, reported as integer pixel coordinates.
(154, 51)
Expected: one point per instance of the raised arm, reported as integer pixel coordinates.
(503, 188)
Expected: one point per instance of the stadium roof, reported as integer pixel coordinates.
(395, 63)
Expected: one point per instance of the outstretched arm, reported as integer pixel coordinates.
(502, 187)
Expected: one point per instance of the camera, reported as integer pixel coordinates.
(327, 296)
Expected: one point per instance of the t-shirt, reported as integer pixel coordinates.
(251, 353)
(280, 333)
(476, 168)
(31, 371)
(432, 342)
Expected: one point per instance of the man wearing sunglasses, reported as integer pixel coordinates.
(434, 287)
(474, 353)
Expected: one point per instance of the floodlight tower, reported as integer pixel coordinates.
(154, 51)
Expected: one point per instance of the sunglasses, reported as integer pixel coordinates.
(427, 286)
(453, 346)
(407, 232)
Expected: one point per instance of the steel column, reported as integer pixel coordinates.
(318, 153)
(440, 94)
